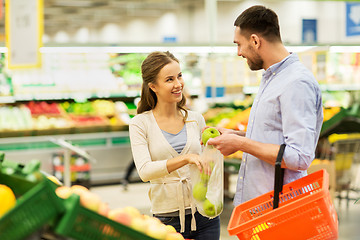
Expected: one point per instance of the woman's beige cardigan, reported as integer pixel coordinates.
(168, 192)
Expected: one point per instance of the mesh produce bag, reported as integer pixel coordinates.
(208, 189)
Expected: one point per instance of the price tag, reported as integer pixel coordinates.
(24, 29)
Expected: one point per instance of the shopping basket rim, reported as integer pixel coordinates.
(282, 209)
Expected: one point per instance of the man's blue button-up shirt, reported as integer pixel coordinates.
(287, 109)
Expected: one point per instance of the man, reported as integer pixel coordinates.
(287, 108)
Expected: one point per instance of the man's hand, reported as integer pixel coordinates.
(224, 131)
(226, 143)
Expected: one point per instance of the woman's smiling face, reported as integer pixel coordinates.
(169, 83)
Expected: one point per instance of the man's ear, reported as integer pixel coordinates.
(255, 40)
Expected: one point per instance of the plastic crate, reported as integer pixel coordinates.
(305, 212)
(36, 207)
(83, 224)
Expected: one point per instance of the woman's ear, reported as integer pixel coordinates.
(152, 87)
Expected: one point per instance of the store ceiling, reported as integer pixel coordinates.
(70, 15)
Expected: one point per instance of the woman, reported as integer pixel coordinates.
(165, 140)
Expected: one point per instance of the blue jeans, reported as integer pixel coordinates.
(206, 229)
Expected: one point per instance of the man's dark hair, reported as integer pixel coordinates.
(259, 20)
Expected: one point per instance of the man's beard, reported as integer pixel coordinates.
(255, 62)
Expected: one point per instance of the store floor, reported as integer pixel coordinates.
(136, 196)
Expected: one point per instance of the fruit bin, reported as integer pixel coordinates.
(305, 212)
(36, 204)
(81, 223)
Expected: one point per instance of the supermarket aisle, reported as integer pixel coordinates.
(136, 196)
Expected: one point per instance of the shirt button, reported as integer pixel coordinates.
(273, 73)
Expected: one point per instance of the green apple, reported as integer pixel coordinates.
(204, 178)
(219, 207)
(209, 133)
(209, 208)
(212, 165)
(199, 191)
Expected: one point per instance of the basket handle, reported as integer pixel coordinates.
(279, 176)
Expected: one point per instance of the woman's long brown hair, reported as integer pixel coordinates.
(150, 69)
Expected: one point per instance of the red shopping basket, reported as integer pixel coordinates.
(305, 212)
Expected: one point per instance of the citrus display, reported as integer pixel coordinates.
(8, 199)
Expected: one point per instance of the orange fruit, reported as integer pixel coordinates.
(7, 199)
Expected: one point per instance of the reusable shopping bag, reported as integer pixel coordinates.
(208, 189)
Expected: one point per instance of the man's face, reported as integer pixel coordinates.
(246, 49)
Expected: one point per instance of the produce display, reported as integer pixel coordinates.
(6, 88)
(236, 119)
(43, 117)
(25, 194)
(8, 199)
(37, 108)
(15, 118)
(75, 211)
(330, 112)
(128, 216)
(127, 68)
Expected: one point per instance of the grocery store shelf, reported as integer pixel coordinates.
(345, 121)
(64, 96)
(86, 140)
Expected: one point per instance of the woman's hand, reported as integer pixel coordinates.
(182, 160)
(202, 165)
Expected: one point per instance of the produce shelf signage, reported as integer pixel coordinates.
(24, 30)
(352, 19)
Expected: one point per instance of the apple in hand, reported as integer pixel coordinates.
(209, 208)
(209, 133)
(199, 191)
